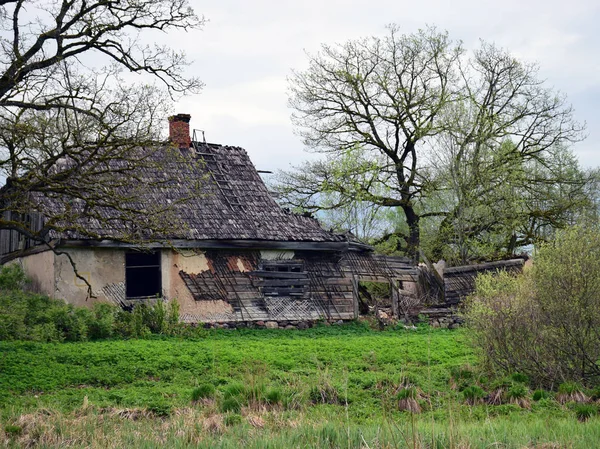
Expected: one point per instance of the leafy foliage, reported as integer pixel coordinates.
(204, 391)
(544, 323)
(30, 316)
(472, 148)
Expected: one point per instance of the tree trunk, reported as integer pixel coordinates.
(413, 241)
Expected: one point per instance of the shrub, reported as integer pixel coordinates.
(324, 394)
(233, 390)
(102, 322)
(407, 400)
(538, 395)
(585, 411)
(570, 392)
(517, 391)
(273, 396)
(30, 316)
(517, 394)
(519, 377)
(160, 409)
(473, 394)
(231, 404)
(12, 277)
(231, 419)
(204, 391)
(543, 323)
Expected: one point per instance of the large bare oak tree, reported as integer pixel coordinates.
(397, 101)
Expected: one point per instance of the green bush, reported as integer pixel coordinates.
(12, 277)
(570, 388)
(517, 391)
(273, 396)
(102, 321)
(473, 394)
(519, 377)
(231, 404)
(233, 390)
(407, 393)
(543, 323)
(585, 411)
(30, 316)
(538, 395)
(232, 419)
(204, 391)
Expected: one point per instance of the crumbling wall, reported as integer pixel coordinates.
(180, 266)
(102, 268)
(239, 280)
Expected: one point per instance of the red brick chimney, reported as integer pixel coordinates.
(179, 130)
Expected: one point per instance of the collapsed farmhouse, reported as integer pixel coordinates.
(230, 255)
(237, 257)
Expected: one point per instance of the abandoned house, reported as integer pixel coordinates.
(239, 258)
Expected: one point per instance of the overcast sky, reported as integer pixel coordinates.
(248, 48)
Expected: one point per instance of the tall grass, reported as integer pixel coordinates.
(112, 428)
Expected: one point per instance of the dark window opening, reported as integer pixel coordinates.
(142, 275)
(283, 278)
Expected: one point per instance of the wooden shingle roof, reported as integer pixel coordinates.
(219, 196)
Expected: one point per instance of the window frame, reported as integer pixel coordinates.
(157, 266)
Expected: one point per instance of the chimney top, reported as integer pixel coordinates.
(179, 130)
(180, 118)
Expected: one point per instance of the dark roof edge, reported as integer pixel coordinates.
(357, 246)
(23, 253)
(499, 264)
(215, 244)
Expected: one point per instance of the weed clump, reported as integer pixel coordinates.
(204, 391)
(571, 392)
(518, 394)
(324, 394)
(407, 400)
(230, 405)
(231, 419)
(273, 396)
(473, 394)
(13, 430)
(585, 411)
(520, 378)
(539, 395)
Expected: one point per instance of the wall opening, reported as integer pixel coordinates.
(142, 275)
(373, 296)
(283, 278)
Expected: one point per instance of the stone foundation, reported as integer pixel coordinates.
(299, 325)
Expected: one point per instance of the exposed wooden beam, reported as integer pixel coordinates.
(212, 244)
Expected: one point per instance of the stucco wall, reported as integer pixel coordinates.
(103, 268)
(40, 269)
(225, 294)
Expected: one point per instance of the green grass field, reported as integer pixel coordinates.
(324, 387)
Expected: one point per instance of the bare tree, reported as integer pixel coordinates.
(398, 100)
(506, 172)
(384, 95)
(76, 139)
